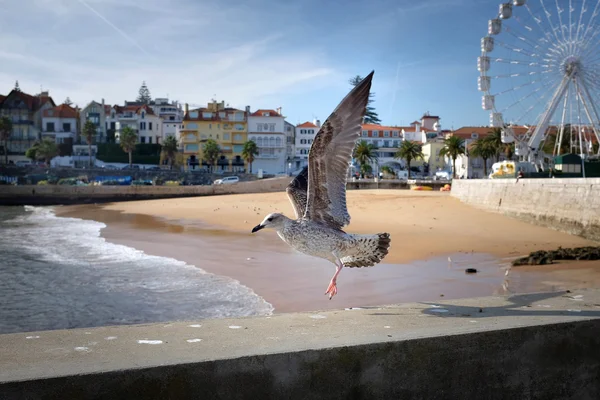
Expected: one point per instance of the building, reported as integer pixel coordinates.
(226, 126)
(266, 128)
(141, 119)
(305, 134)
(472, 167)
(60, 123)
(387, 139)
(290, 147)
(171, 115)
(25, 111)
(97, 113)
(431, 156)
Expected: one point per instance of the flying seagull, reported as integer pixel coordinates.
(318, 195)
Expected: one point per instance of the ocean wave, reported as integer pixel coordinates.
(63, 266)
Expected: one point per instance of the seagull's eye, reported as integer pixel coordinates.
(270, 219)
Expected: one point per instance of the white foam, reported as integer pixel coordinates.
(128, 272)
(146, 341)
(193, 340)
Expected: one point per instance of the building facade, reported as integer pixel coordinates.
(305, 135)
(171, 115)
(266, 128)
(97, 113)
(141, 119)
(60, 124)
(387, 139)
(228, 127)
(290, 145)
(25, 111)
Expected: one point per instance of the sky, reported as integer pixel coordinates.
(298, 55)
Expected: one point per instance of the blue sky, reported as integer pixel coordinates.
(261, 53)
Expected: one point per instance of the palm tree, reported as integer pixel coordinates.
(387, 170)
(453, 147)
(483, 148)
(365, 153)
(248, 152)
(89, 131)
(210, 152)
(495, 140)
(5, 131)
(128, 139)
(170, 148)
(409, 151)
(46, 150)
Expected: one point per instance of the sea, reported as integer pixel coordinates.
(59, 273)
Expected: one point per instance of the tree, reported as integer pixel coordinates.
(483, 148)
(371, 116)
(67, 101)
(170, 148)
(453, 147)
(5, 132)
(565, 144)
(387, 170)
(248, 152)
(17, 88)
(31, 152)
(144, 94)
(210, 152)
(409, 151)
(89, 131)
(46, 150)
(128, 139)
(365, 153)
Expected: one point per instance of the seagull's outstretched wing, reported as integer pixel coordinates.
(296, 191)
(329, 158)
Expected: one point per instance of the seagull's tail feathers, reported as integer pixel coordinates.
(369, 250)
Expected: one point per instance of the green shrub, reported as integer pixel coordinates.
(42, 183)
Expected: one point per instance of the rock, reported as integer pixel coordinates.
(543, 257)
(470, 271)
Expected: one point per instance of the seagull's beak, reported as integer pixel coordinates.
(257, 228)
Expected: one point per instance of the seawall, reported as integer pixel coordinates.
(536, 346)
(66, 194)
(569, 205)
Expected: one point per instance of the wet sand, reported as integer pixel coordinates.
(434, 238)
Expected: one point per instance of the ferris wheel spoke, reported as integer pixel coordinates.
(522, 38)
(590, 26)
(557, 144)
(559, 12)
(548, 14)
(580, 22)
(520, 51)
(547, 35)
(541, 99)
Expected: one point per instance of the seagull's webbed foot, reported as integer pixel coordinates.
(332, 288)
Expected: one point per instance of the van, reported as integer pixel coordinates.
(227, 180)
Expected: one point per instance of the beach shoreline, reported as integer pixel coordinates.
(434, 238)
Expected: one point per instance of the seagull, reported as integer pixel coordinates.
(318, 195)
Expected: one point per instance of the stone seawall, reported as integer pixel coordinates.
(64, 194)
(537, 346)
(568, 205)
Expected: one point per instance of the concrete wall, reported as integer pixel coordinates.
(569, 205)
(65, 194)
(522, 347)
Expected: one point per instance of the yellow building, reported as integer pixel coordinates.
(226, 126)
(431, 153)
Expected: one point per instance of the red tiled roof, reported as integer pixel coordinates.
(307, 125)
(259, 113)
(62, 111)
(482, 131)
(107, 109)
(33, 103)
(145, 107)
(375, 127)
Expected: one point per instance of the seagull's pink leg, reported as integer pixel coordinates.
(332, 288)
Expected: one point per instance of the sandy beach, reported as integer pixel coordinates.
(434, 238)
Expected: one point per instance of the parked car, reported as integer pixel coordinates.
(227, 180)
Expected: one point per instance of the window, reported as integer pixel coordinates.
(375, 134)
(206, 115)
(190, 137)
(386, 133)
(266, 114)
(142, 126)
(272, 127)
(150, 139)
(191, 147)
(365, 133)
(237, 137)
(226, 136)
(278, 142)
(49, 126)
(150, 126)
(143, 114)
(142, 139)
(259, 127)
(66, 127)
(395, 134)
(474, 135)
(193, 114)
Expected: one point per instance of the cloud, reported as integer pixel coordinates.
(191, 50)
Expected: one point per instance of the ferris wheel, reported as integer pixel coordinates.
(540, 68)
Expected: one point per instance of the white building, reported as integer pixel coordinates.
(141, 119)
(305, 134)
(387, 139)
(60, 124)
(266, 128)
(171, 115)
(290, 147)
